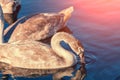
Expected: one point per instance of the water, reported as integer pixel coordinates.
(96, 24)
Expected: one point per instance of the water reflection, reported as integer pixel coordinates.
(90, 58)
(79, 72)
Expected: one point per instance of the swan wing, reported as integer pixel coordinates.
(30, 54)
(37, 27)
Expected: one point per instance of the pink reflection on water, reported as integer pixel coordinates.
(101, 10)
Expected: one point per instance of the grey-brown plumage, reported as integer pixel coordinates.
(38, 62)
(40, 26)
(29, 50)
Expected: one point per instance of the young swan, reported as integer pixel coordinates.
(31, 57)
(39, 26)
(11, 9)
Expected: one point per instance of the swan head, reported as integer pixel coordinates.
(10, 10)
(77, 47)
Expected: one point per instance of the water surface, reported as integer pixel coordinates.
(96, 23)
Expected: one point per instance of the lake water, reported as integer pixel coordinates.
(96, 23)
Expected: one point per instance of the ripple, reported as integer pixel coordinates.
(118, 78)
(90, 59)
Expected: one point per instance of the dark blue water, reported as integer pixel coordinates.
(96, 23)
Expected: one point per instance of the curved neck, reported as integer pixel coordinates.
(1, 25)
(65, 54)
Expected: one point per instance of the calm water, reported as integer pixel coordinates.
(97, 24)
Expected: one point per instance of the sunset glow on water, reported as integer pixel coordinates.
(96, 23)
(102, 10)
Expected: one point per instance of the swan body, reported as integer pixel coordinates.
(36, 55)
(29, 47)
(11, 9)
(30, 58)
(39, 26)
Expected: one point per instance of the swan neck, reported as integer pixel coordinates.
(1, 25)
(65, 54)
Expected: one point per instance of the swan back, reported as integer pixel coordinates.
(37, 27)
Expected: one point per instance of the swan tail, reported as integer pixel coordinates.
(67, 13)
